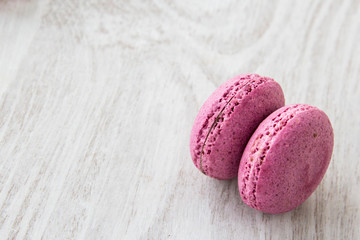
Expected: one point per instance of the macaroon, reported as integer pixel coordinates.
(285, 159)
(227, 120)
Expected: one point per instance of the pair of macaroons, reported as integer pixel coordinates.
(279, 153)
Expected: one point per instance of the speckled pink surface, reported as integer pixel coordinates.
(227, 120)
(285, 159)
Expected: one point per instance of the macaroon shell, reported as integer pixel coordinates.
(296, 163)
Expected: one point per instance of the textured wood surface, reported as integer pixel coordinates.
(97, 100)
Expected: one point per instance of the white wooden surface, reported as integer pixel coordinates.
(97, 100)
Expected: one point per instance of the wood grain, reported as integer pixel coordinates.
(98, 98)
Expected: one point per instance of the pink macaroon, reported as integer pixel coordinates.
(227, 120)
(286, 158)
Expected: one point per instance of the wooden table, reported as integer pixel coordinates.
(98, 99)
